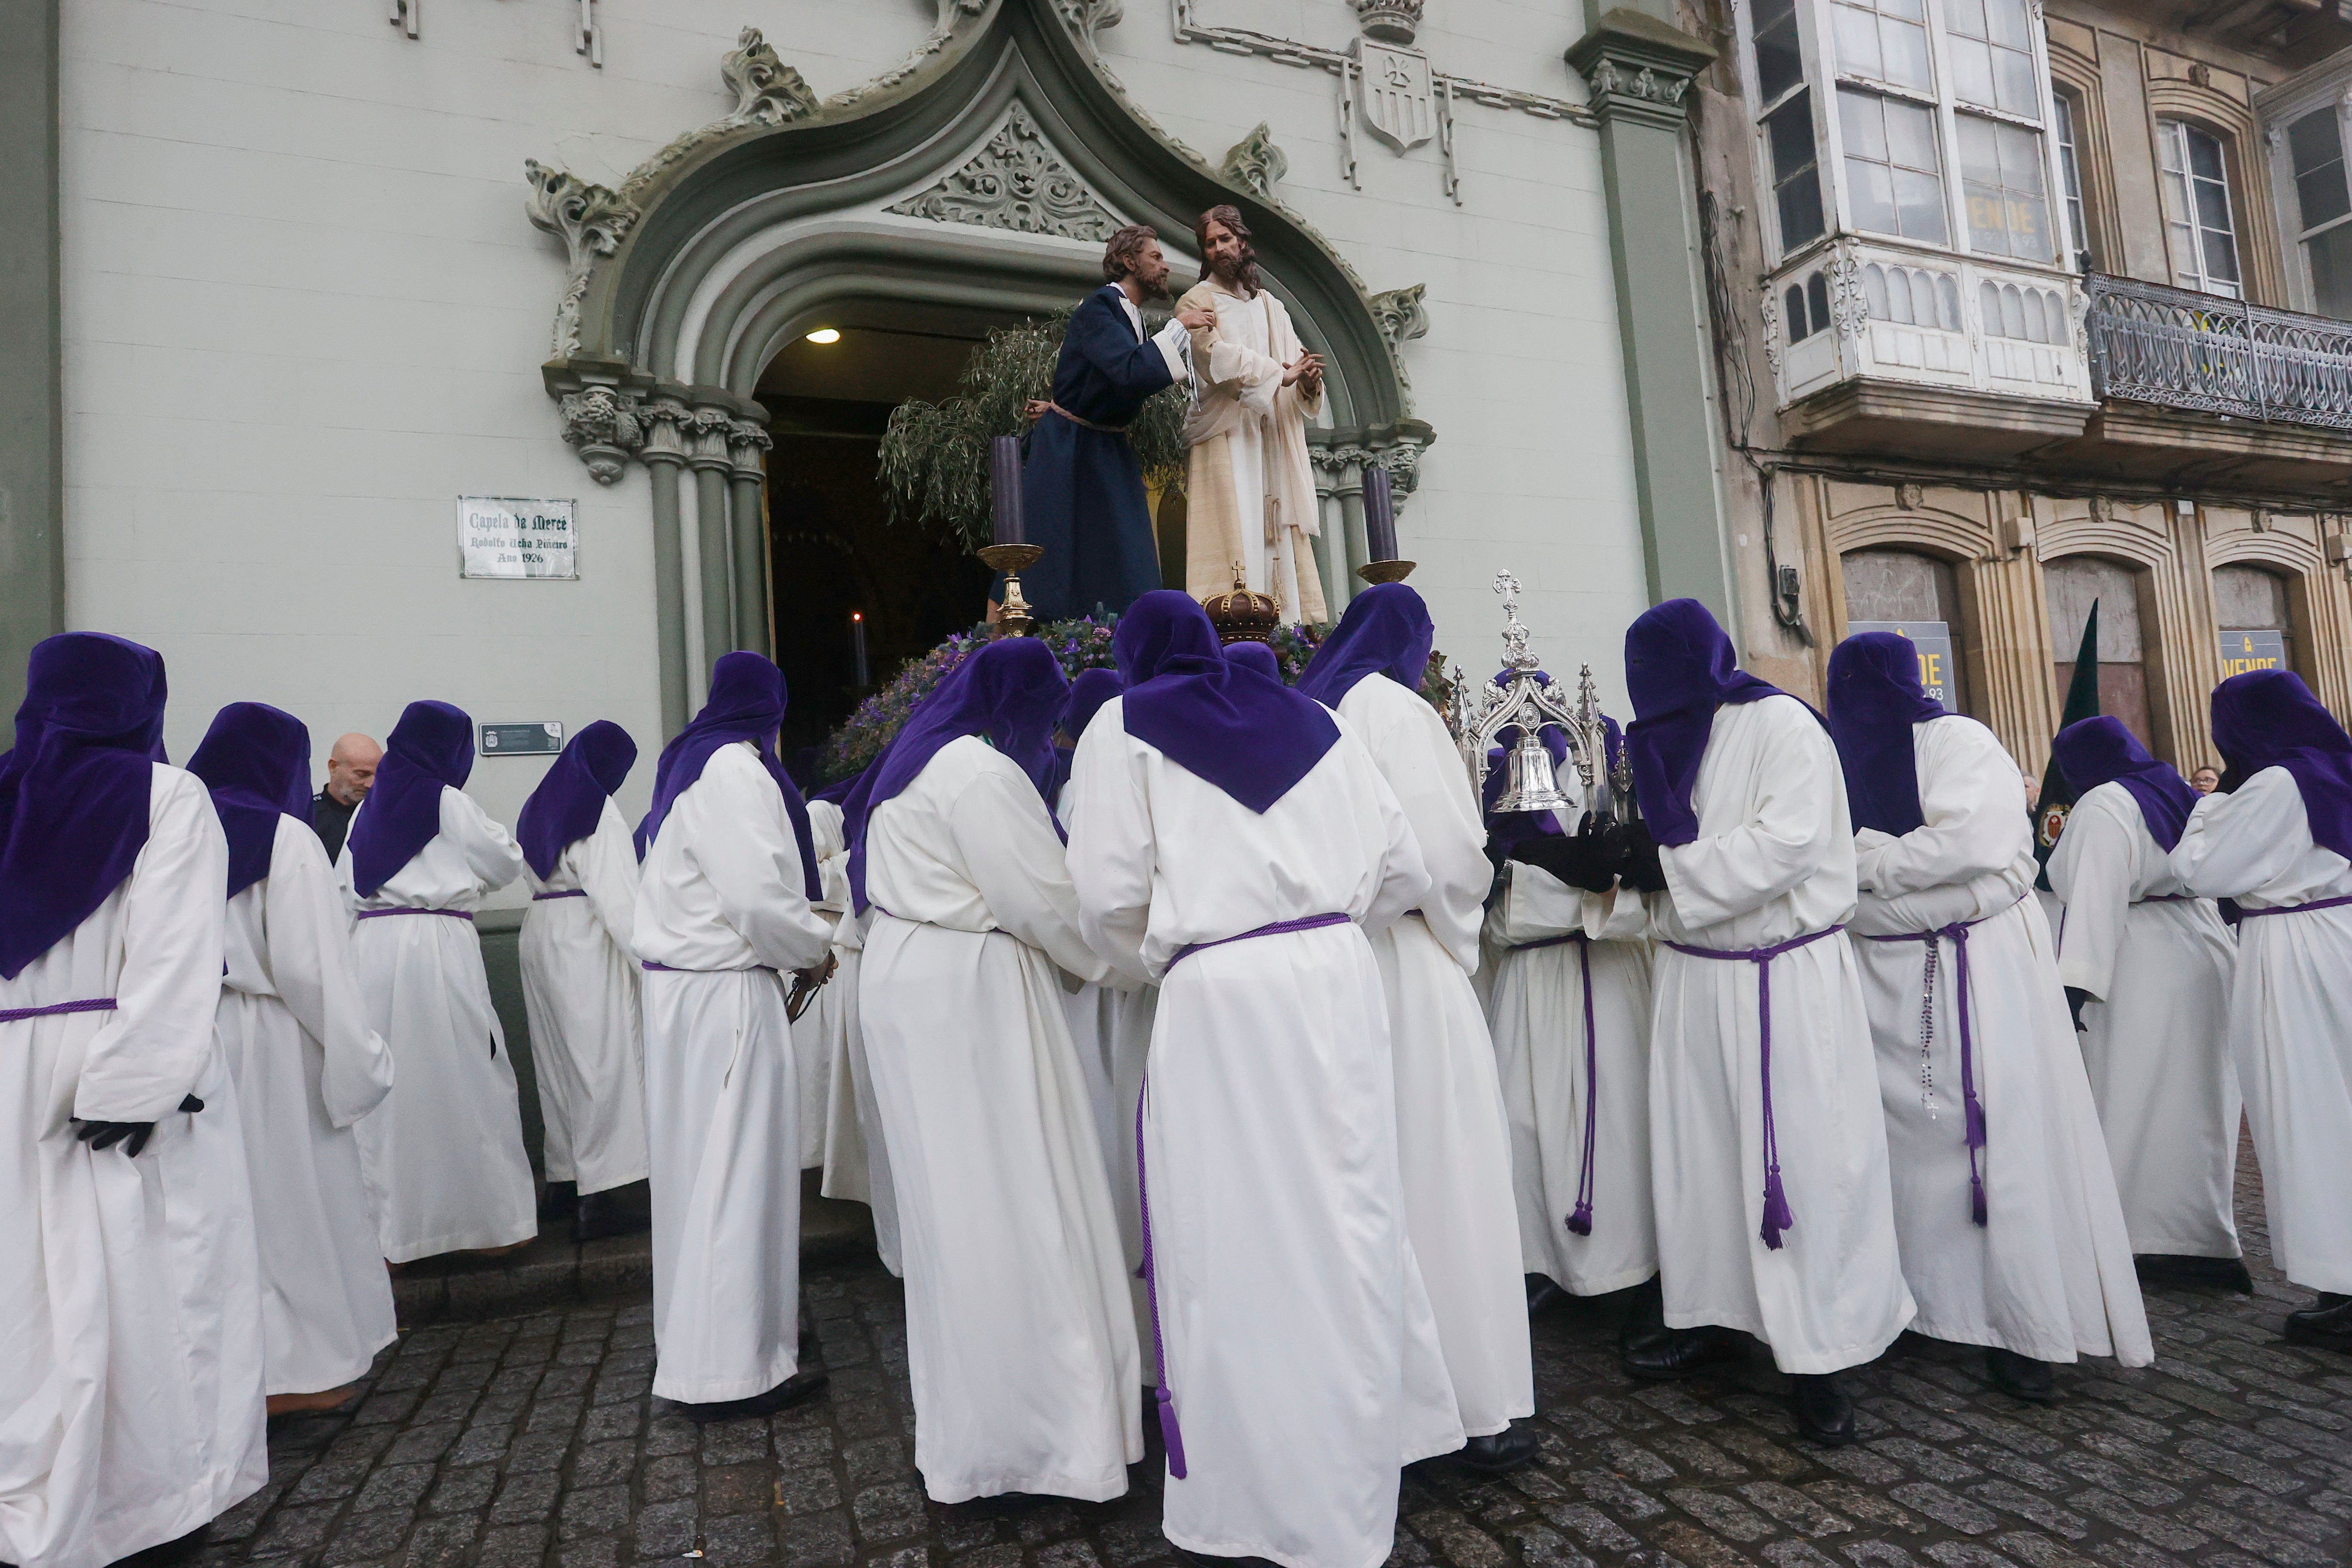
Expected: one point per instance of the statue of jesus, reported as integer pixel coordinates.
(1249, 489)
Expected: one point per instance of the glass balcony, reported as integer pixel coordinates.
(2175, 348)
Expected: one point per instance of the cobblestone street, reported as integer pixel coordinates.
(533, 1440)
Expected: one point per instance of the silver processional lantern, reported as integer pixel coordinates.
(1528, 701)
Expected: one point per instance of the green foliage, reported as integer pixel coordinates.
(934, 468)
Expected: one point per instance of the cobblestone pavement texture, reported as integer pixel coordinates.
(534, 1442)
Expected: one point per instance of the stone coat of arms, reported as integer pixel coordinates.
(1400, 99)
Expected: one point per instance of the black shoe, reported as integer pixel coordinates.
(808, 1331)
(2326, 1324)
(1643, 1326)
(1543, 1294)
(1678, 1353)
(2021, 1377)
(559, 1200)
(2196, 1273)
(796, 1389)
(1513, 1448)
(1824, 1412)
(601, 1215)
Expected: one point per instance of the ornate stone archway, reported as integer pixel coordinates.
(983, 171)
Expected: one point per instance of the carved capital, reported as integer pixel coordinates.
(1638, 69)
(665, 420)
(1016, 182)
(601, 424)
(767, 91)
(1256, 164)
(709, 432)
(591, 221)
(1402, 318)
(748, 445)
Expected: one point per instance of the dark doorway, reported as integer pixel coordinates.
(833, 550)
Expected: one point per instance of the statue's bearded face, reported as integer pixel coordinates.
(1224, 251)
(1149, 271)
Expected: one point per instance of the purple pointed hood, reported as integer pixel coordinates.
(256, 760)
(1228, 725)
(747, 702)
(2269, 719)
(1386, 631)
(1875, 697)
(2093, 751)
(74, 790)
(430, 750)
(1255, 656)
(569, 801)
(1679, 668)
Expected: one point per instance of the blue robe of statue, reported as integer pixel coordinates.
(1082, 489)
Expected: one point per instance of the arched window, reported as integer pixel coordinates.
(2072, 586)
(2256, 619)
(1917, 596)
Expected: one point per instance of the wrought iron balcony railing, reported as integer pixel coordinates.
(2179, 348)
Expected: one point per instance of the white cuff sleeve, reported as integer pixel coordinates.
(1170, 340)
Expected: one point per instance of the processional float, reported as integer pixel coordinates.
(1525, 699)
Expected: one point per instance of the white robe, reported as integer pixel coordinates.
(813, 1032)
(443, 1152)
(857, 1158)
(1453, 1141)
(1774, 860)
(130, 1396)
(1110, 1024)
(723, 901)
(1536, 1008)
(580, 992)
(1020, 1332)
(2290, 1012)
(294, 1029)
(2156, 1042)
(2049, 1274)
(1298, 1337)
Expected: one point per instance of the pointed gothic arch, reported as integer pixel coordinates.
(984, 172)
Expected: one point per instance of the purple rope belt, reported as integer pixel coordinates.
(2167, 898)
(1973, 1107)
(2247, 914)
(1777, 1216)
(567, 893)
(1163, 1397)
(404, 910)
(89, 1005)
(1279, 928)
(1579, 1221)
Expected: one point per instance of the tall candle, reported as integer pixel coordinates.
(1379, 514)
(1005, 489)
(857, 643)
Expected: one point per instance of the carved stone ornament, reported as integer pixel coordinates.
(1256, 164)
(591, 221)
(1016, 182)
(1391, 21)
(601, 424)
(1773, 332)
(1087, 17)
(1399, 94)
(1849, 308)
(767, 91)
(1401, 318)
(1637, 66)
(1908, 496)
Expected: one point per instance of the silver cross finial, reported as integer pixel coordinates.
(1515, 630)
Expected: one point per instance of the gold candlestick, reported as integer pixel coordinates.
(1385, 570)
(1013, 620)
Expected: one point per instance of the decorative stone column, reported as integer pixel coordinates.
(748, 443)
(1639, 68)
(710, 432)
(663, 454)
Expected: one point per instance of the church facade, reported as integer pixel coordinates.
(330, 283)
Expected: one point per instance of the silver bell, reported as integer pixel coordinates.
(1534, 786)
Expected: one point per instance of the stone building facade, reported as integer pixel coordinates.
(2024, 304)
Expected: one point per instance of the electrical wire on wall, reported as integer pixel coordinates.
(1739, 402)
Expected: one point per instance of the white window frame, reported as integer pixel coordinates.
(2074, 200)
(2172, 133)
(2279, 107)
(1815, 33)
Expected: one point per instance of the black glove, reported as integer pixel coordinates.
(2075, 998)
(1585, 861)
(131, 1135)
(1637, 858)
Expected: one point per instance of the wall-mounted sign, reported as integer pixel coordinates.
(2242, 651)
(507, 536)
(522, 740)
(1933, 641)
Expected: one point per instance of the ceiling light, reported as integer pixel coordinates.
(826, 336)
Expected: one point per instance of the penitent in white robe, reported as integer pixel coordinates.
(1297, 1339)
(443, 1152)
(2049, 1274)
(130, 1402)
(580, 992)
(1110, 1024)
(1543, 934)
(1020, 1332)
(2157, 1043)
(1453, 1141)
(723, 905)
(2290, 1012)
(294, 1029)
(1774, 860)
